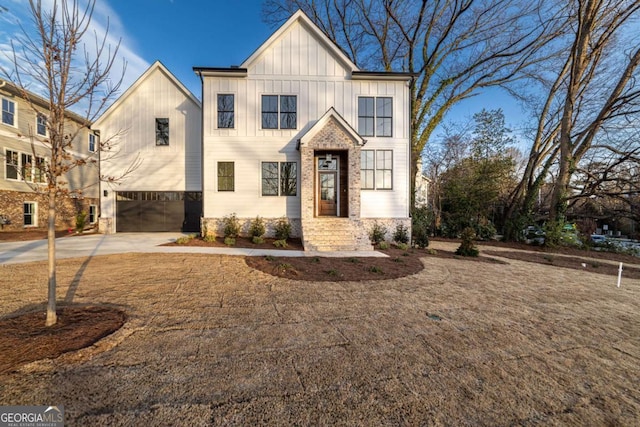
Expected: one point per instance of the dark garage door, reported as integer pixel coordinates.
(158, 211)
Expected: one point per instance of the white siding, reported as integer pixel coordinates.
(131, 127)
(295, 64)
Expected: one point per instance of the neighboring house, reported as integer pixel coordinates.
(155, 160)
(297, 130)
(24, 155)
(422, 187)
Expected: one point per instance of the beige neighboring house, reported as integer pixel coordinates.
(23, 157)
(298, 130)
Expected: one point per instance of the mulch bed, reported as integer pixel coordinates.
(241, 242)
(25, 235)
(24, 338)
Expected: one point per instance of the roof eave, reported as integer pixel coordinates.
(220, 72)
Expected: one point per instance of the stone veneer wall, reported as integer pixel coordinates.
(215, 226)
(11, 206)
(330, 138)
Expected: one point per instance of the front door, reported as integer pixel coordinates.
(327, 194)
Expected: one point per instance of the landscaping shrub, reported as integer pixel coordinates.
(401, 235)
(377, 233)
(282, 229)
(81, 221)
(229, 241)
(402, 246)
(257, 228)
(467, 248)
(183, 240)
(258, 240)
(280, 243)
(209, 238)
(231, 226)
(383, 245)
(420, 226)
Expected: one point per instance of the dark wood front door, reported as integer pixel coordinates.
(327, 194)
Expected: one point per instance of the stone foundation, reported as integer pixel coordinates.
(215, 226)
(11, 207)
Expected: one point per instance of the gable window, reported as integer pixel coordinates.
(29, 214)
(41, 124)
(226, 111)
(11, 164)
(162, 131)
(375, 116)
(92, 143)
(279, 178)
(376, 169)
(93, 214)
(226, 175)
(279, 112)
(8, 112)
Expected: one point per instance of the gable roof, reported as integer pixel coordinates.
(155, 66)
(322, 122)
(303, 19)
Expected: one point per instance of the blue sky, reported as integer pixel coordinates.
(187, 33)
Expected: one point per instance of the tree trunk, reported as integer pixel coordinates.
(51, 245)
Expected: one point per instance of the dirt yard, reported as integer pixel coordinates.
(209, 340)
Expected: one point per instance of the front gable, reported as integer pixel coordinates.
(299, 48)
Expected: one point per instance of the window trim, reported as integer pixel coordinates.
(375, 116)
(279, 179)
(46, 129)
(278, 112)
(95, 137)
(92, 217)
(16, 166)
(34, 214)
(376, 170)
(232, 111)
(15, 112)
(166, 142)
(233, 176)
(19, 167)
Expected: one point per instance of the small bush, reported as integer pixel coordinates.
(183, 240)
(353, 260)
(280, 243)
(375, 269)
(81, 221)
(282, 229)
(269, 257)
(258, 240)
(383, 245)
(432, 252)
(209, 238)
(332, 272)
(285, 266)
(377, 233)
(467, 248)
(421, 220)
(401, 235)
(257, 228)
(231, 226)
(229, 241)
(402, 246)
(398, 259)
(315, 260)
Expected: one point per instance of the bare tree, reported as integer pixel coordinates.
(592, 92)
(455, 47)
(50, 56)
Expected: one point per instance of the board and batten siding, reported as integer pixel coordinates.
(131, 128)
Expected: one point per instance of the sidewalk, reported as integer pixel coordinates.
(106, 244)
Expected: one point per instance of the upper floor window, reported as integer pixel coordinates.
(8, 112)
(375, 116)
(162, 131)
(279, 112)
(226, 111)
(26, 165)
(21, 166)
(11, 164)
(376, 169)
(279, 178)
(41, 124)
(226, 176)
(92, 142)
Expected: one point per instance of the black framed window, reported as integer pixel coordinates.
(269, 178)
(41, 124)
(367, 169)
(162, 131)
(376, 169)
(93, 214)
(226, 176)
(375, 116)
(279, 111)
(8, 112)
(288, 178)
(226, 113)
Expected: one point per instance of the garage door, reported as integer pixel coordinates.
(158, 211)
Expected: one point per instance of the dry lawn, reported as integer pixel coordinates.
(208, 340)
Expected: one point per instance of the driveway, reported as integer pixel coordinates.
(209, 341)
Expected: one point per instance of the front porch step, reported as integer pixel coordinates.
(334, 234)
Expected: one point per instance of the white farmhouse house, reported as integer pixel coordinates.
(155, 130)
(297, 130)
